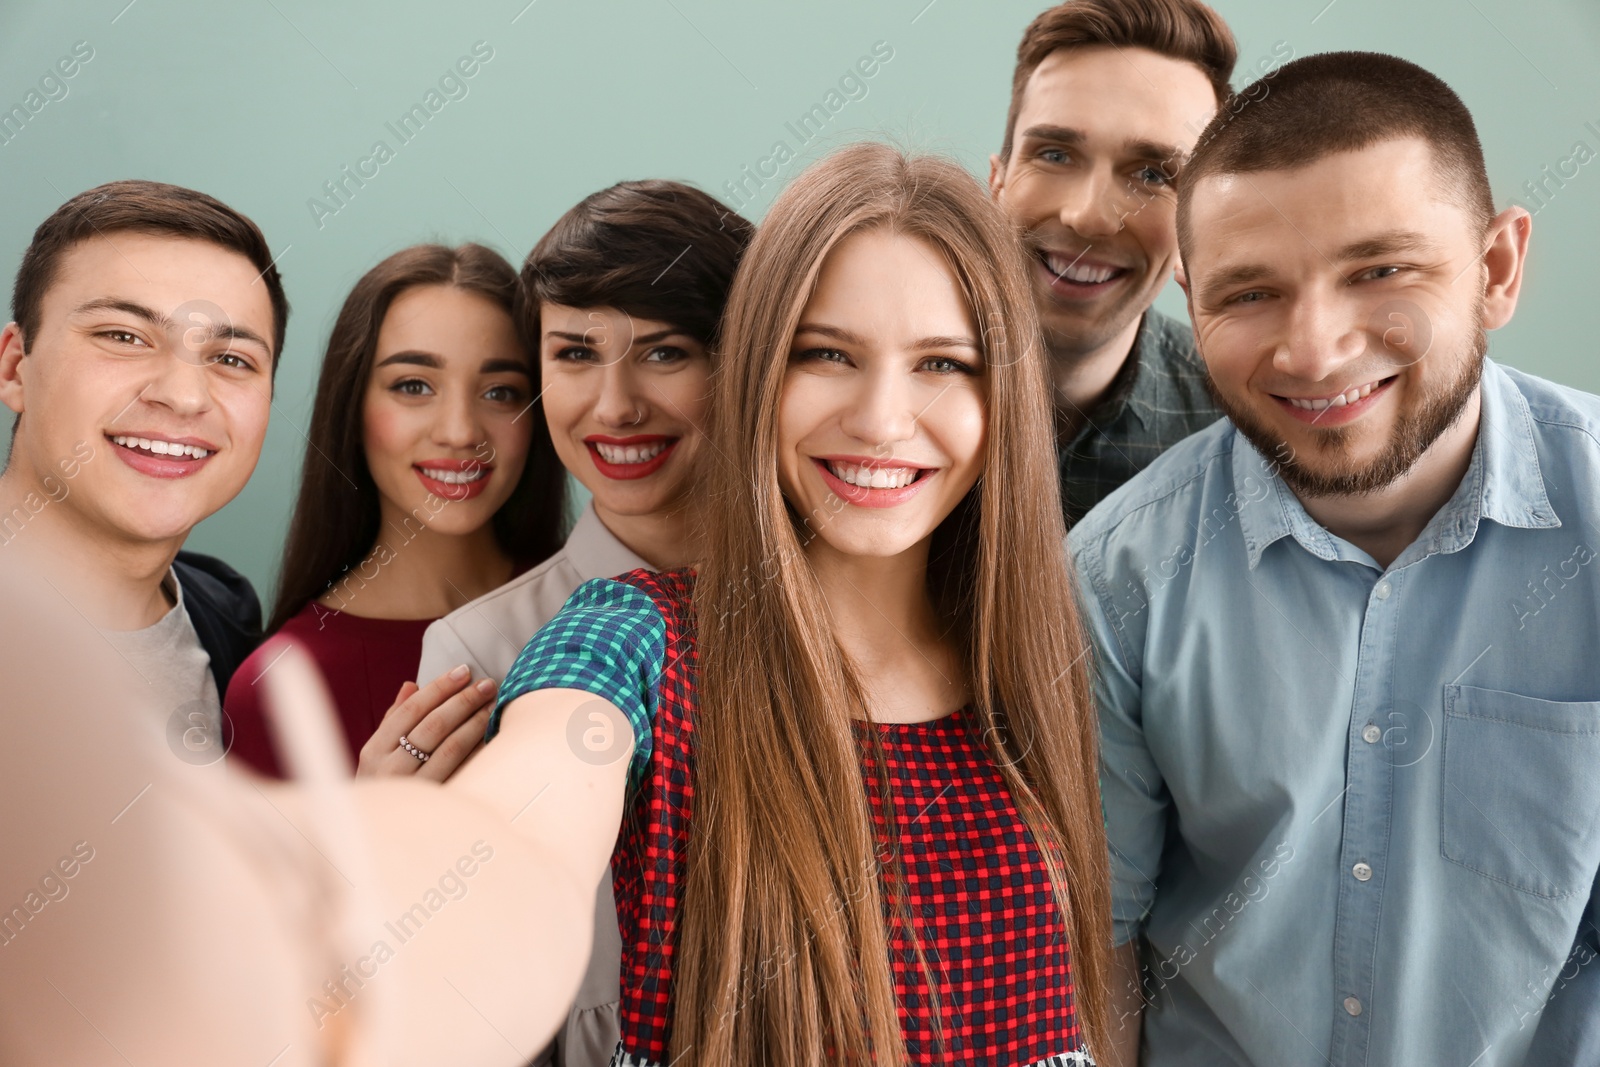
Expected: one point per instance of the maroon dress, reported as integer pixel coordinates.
(364, 661)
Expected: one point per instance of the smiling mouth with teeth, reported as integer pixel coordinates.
(630, 453)
(874, 477)
(1338, 400)
(450, 477)
(158, 447)
(1072, 269)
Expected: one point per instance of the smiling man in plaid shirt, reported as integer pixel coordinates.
(1107, 101)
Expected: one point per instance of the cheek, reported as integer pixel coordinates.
(388, 430)
(248, 409)
(962, 427)
(1031, 196)
(568, 397)
(802, 408)
(685, 395)
(1233, 349)
(1154, 226)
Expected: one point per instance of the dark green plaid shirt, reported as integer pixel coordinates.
(1156, 400)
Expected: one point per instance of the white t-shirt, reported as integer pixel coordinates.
(169, 657)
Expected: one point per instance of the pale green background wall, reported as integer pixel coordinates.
(260, 102)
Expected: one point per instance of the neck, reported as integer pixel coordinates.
(1083, 377)
(1384, 523)
(420, 574)
(885, 621)
(112, 580)
(664, 539)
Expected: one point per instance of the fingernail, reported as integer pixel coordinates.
(486, 686)
(460, 672)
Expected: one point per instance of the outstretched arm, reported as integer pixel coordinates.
(564, 795)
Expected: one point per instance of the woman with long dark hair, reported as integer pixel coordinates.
(424, 485)
(622, 300)
(844, 769)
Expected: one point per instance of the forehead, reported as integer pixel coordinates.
(565, 318)
(442, 312)
(161, 273)
(889, 284)
(1117, 94)
(1309, 212)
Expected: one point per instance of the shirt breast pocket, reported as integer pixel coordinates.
(1521, 787)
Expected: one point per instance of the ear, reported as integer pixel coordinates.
(1182, 278)
(997, 176)
(1506, 250)
(11, 367)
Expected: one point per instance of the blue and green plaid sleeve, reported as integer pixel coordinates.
(608, 639)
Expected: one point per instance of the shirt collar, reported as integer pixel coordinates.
(595, 550)
(1503, 483)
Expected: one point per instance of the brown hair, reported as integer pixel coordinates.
(653, 249)
(336, 517)
(141, 207)
(1179, 29)
(1340, 102)
(776, 758)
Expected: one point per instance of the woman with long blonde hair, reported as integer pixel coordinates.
(845, 769)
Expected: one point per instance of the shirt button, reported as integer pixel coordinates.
(1362, 873)
(1384, 589)
(1352, 1005)
(1371, 734)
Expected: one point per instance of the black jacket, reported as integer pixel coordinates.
(223, 607)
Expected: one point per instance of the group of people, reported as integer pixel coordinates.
(957, 660)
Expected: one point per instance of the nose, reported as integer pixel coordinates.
(884, 410)
(181, 383)
(1094, 205)
(457, 424)
(1322, 335)
(619, 404)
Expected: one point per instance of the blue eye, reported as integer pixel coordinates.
(1053, 155)
(1153, 176)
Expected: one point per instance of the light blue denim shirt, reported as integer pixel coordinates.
(1355, 810)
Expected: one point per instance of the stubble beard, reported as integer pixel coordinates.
(1414, 433)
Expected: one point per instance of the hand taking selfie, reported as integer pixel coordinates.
(430, 731)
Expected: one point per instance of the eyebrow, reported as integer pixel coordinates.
(164, 323)
(839, 333)
(492, 365)
(1394, 243)
(641, 339)
(1138, 147)
(415, 359)
(1239, 275)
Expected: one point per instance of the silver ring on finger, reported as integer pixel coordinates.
(412, 750)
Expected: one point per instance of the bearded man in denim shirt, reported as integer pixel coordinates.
(1346, 638)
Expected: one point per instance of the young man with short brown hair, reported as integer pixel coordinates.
(148, 323)
(1107, 99)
